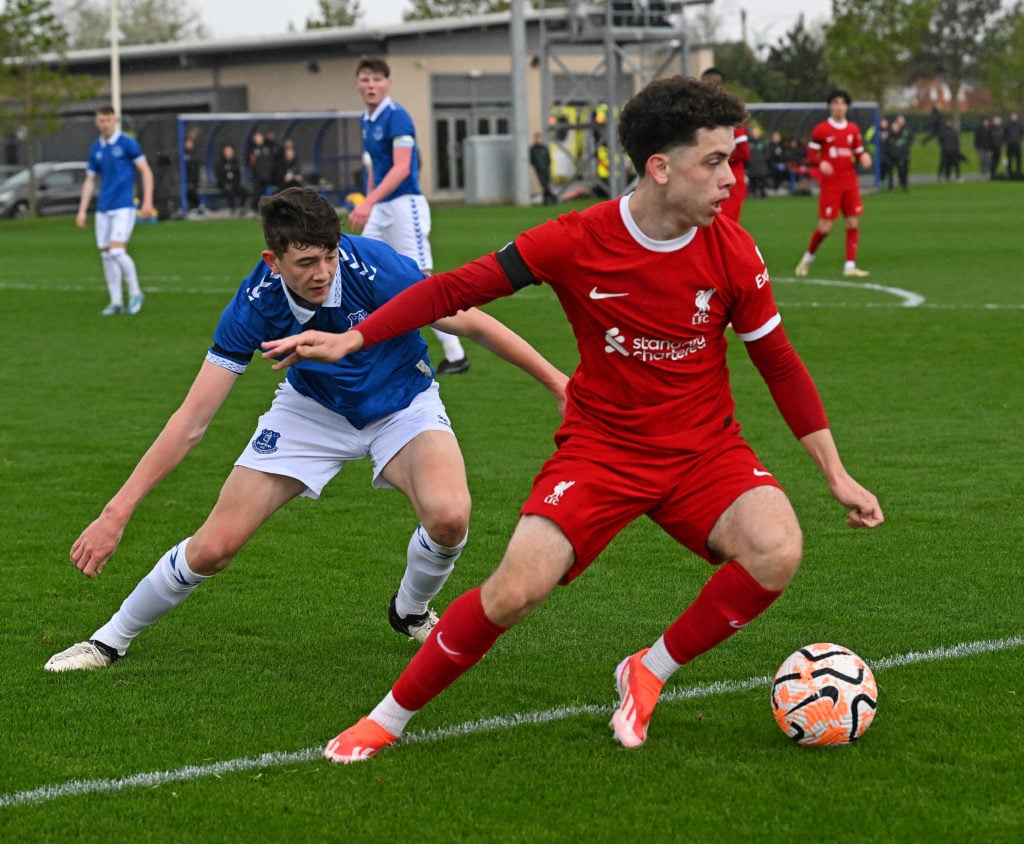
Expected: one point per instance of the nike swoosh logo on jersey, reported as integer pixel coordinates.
(762, 474)
(597, 294)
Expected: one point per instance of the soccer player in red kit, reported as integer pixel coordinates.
(649, 283)
(833, 152)
(733, 206)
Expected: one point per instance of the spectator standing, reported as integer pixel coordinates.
(1014, 133)
(114, 159)
(899, 139)
(983, 146)
(540, 160)
(759, 173)
(949, 153)
(190, 162)
(395, 209)
(996, 139)
(777, 161)
(260, 158)
(879, 139)
(834, 151)
(291, 167)
(228, 173)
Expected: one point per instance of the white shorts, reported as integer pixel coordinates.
(300, 438)
(114, 226)
(403, 224)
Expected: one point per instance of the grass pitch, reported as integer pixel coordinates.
(211, 728)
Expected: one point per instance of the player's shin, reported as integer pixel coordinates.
(729, 601)
(166, 586)
(462, 636)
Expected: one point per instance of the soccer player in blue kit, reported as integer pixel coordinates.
(383, 404)
(395, 209)
(114, 157)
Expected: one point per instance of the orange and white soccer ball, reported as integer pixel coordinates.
(824, 694)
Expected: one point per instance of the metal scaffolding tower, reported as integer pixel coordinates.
(594, 57)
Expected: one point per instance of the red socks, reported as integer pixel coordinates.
(729, 600)
(462, 636)
(816, 240)
(852, 241)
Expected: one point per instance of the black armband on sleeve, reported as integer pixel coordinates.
(518, 274)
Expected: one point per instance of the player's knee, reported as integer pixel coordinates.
(776, 561)
(207, 556)
(448, 524)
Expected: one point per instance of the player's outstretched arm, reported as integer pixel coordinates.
(183, 431)
(864, 508)
(502, 341)
(312, 345)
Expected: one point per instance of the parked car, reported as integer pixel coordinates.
(58, 189)
(8, 170)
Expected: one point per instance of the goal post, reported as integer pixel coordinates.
(328, 144)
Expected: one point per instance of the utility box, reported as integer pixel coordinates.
(489, 163)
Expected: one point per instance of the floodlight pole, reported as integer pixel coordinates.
(115, 61)
(520, 124)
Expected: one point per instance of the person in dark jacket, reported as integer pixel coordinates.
(228, 172)
(898, 140)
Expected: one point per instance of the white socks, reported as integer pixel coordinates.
(426, 570)
(452, 346)
(658, 661)
(391, 716)
(169, 583)
(127, 267)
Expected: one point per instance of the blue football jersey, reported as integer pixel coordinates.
(388, 122)
(362, 387)
(114, 162)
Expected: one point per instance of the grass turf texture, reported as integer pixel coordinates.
(291, 643)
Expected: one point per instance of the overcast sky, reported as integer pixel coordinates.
(767, 22)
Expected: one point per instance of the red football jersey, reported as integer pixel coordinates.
(838, 143)
(649, 319)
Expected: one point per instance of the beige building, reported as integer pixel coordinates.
(454, 77)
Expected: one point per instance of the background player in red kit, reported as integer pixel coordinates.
(649, 283)
(833, 152)
(733, 206)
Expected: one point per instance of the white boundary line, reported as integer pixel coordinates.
(188, 773)
(907, 298)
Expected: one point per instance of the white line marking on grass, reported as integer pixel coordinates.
(909, 298)
(75, 788)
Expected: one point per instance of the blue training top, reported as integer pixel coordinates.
(365, 385)
(380, 129)
(114, 162)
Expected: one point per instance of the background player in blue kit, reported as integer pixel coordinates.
(114, 158)
(383, 404)
(395, 209)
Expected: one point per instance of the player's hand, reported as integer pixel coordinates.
(80, 221)
(312, 345)
(865, 511)
(826, 168)
(146, 211)
(96, 545)
(358, 216)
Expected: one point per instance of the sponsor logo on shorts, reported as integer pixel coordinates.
(266, 442)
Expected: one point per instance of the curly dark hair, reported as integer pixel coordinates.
(298, 217)
(668, 112)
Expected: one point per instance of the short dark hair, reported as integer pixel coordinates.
(668, 112)
(713, 71)
(106, 109)
(298, 217)
(374, 64)
(839, 94)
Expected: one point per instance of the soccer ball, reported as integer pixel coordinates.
(824, 694)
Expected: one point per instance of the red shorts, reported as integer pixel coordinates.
(592, 489)
(840, 193)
